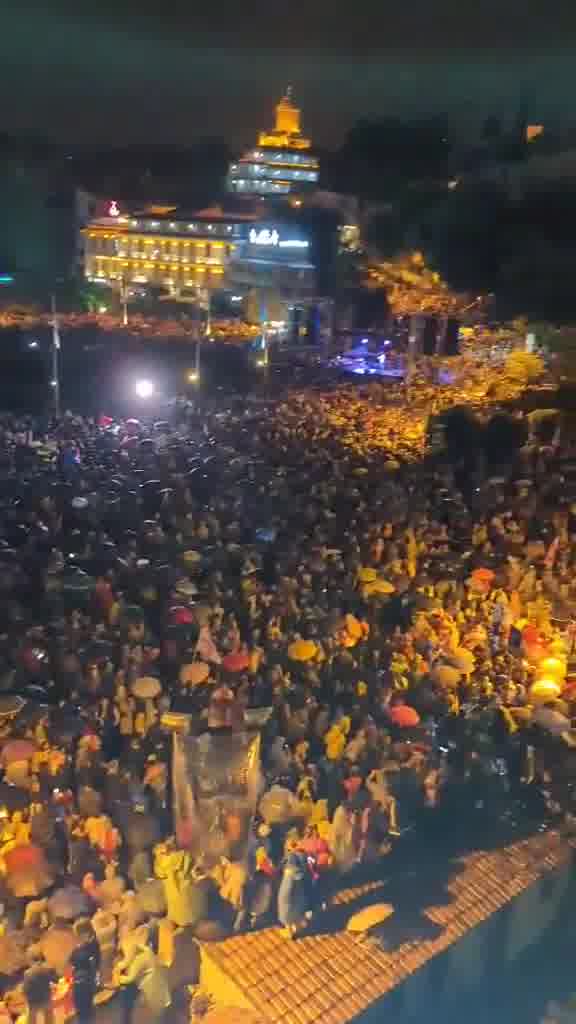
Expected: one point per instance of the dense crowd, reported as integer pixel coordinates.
(400, 632)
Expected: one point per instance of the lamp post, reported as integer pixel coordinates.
(208, 331)
(124, 300)
(56, 346)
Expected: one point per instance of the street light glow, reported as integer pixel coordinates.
(144, 388)
(32, 344)
(193, 376)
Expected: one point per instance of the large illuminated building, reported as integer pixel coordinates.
(161, 246)
(281, 163)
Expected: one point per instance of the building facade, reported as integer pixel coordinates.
(274, 265)
(282, 163)
(269, 260)
(161, 247)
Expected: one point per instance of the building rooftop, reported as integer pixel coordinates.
(328, 978)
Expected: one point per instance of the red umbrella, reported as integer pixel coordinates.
(18, 750)
(236, 662)
(404, 716)
(531, 634)
(179, 615)
(23, 858)
(483, 574)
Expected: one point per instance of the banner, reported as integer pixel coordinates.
(216, 786)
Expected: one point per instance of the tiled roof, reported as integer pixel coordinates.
(330, 979)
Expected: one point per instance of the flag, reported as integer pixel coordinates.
(185, 817)
(551, 553)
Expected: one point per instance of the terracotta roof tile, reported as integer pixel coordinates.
(330, 978)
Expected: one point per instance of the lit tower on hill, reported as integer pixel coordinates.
(282, 163)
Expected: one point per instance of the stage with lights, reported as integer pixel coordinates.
(366, 360)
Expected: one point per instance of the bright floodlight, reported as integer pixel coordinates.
(144, 388)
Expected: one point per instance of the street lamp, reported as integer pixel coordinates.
(56, 346)
(144, 388)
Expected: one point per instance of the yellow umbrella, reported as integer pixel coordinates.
(446, 675)
(191, 557)
(302, 650)
(463, 660)
(378, 587)
(553, 668)
(353, 627)
(367, 575)
(146, 687)
(544, 690)
(194, 674)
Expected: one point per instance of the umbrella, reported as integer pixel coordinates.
(278, 805)
(13, 953)
(18, 750)
(237, 662)
(354, 627)
(446, 676)
(185, 588)
(553, 668)
(552, 721)
(367, 575)
(57, 944)
(179, 615)
(194, 674)
(69, 903)
(233, 1015)
(10, 705)
(544, 690)
(377, 587)
(302, 650)
(463, 660)
(191, 557)
(27, 872)
(146, 687)
(404, 716)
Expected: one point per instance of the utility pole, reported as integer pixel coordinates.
(208, 313)
(56, 346)
(124, 300)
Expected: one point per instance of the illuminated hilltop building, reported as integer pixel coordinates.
(282, 162)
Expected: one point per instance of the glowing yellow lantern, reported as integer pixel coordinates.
(544, 690)
(553, 668)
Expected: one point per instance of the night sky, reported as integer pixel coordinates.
(128, 72)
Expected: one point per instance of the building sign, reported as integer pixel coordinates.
(264, 237)
(272, 238)
(113, 209)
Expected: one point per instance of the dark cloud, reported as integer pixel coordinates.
(121, 71)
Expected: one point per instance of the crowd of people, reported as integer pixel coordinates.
(399, 632)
